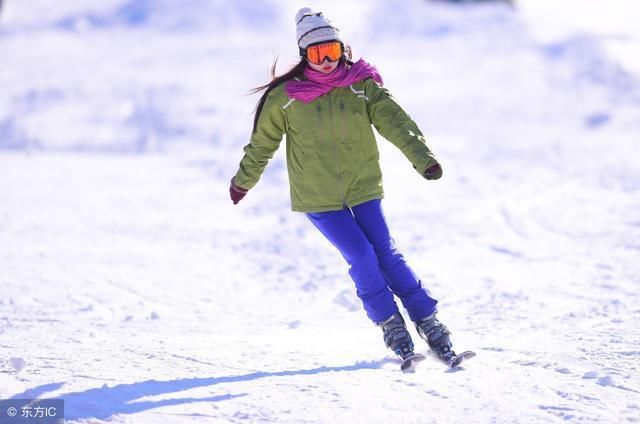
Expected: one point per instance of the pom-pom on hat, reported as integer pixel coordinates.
(312, 27)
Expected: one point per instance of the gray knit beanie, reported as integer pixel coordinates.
(312, 27)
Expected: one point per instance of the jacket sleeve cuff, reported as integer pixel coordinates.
(242, 181)
(427, 162)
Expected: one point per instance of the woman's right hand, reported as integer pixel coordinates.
(236, 192)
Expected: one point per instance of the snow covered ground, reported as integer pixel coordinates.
(131, 287)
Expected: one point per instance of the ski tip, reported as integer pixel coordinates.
(409, 364)
(458, 359)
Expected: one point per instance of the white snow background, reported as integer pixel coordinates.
(133, 288)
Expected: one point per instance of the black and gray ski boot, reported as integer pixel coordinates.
(396, 336)
(437, 337)
(398, 339)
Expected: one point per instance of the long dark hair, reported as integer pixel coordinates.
(294, 72)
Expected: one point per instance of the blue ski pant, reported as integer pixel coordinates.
(376, 266)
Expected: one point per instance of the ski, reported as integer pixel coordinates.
(456, 360)
(410, 362)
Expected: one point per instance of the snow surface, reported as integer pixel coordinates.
(131, 287)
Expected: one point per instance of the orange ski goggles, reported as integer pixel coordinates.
(317, 53)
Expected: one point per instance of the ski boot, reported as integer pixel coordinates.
(397, 338)
(437, 337)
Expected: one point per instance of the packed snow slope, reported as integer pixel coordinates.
(132, 288)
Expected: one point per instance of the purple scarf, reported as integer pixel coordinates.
(318, 84)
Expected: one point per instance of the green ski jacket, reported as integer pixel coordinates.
(332, 155)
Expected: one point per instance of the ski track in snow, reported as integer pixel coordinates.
(131, 287)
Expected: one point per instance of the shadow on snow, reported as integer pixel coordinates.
(104, 402)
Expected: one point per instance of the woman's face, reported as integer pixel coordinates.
(325, 67)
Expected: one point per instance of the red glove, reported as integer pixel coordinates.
(433, 172)
(236, 192)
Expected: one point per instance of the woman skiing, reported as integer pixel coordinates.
(326, 105)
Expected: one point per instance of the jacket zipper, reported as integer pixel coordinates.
(319, 109)
(325, 134)
(342, 131)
